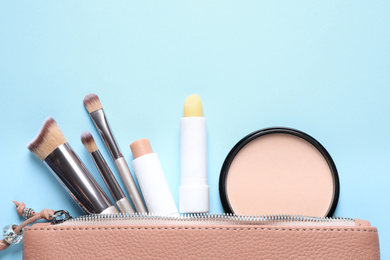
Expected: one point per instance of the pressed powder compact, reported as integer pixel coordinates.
(279, 171)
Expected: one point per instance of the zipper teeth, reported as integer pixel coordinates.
(226, 218)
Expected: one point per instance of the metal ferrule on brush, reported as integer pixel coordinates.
(77, 180)
(104, 129)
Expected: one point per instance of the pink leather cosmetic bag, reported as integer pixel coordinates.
(206, 236)
(202, 236)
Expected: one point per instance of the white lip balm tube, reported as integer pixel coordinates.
(151, 179)
(194, 190)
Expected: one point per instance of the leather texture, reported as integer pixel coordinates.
(42, 241)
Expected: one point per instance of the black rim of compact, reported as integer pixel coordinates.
(277, 130)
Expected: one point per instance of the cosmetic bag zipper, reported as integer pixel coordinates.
(63, 218)
(13, 233)
(205, 220)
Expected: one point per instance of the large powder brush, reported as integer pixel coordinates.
(51, 147)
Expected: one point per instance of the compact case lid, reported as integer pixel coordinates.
(279, 171)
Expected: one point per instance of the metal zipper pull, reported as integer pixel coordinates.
(60, 216)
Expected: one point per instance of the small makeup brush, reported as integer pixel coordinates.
(51, 147)
(106, 174)
(95, 110)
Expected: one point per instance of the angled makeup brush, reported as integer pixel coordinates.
(95, 110)
(51, 147)
(106, 174)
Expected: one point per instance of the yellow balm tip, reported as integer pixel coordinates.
(193, 106)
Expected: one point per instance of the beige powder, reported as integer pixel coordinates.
(279, 174)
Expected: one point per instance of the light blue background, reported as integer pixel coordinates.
(321, 67)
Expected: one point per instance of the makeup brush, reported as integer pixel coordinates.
(51, 147)
(106, 174)
(95, 110)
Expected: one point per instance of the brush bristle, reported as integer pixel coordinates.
(92, 102)
(88, 141)
(48, 139)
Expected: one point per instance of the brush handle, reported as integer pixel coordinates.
(77, 180)
(111, 183)
(131, 187)
(124, 206)
(107, 176)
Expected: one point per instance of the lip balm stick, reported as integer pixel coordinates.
(95, 110)
(106, 174)
(194, 191)
(151, 179)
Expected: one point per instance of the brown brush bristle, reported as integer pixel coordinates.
(92, 102)
(48, 139)
(88, 141)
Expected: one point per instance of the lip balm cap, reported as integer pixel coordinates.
(194, 199)
(140, 147)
